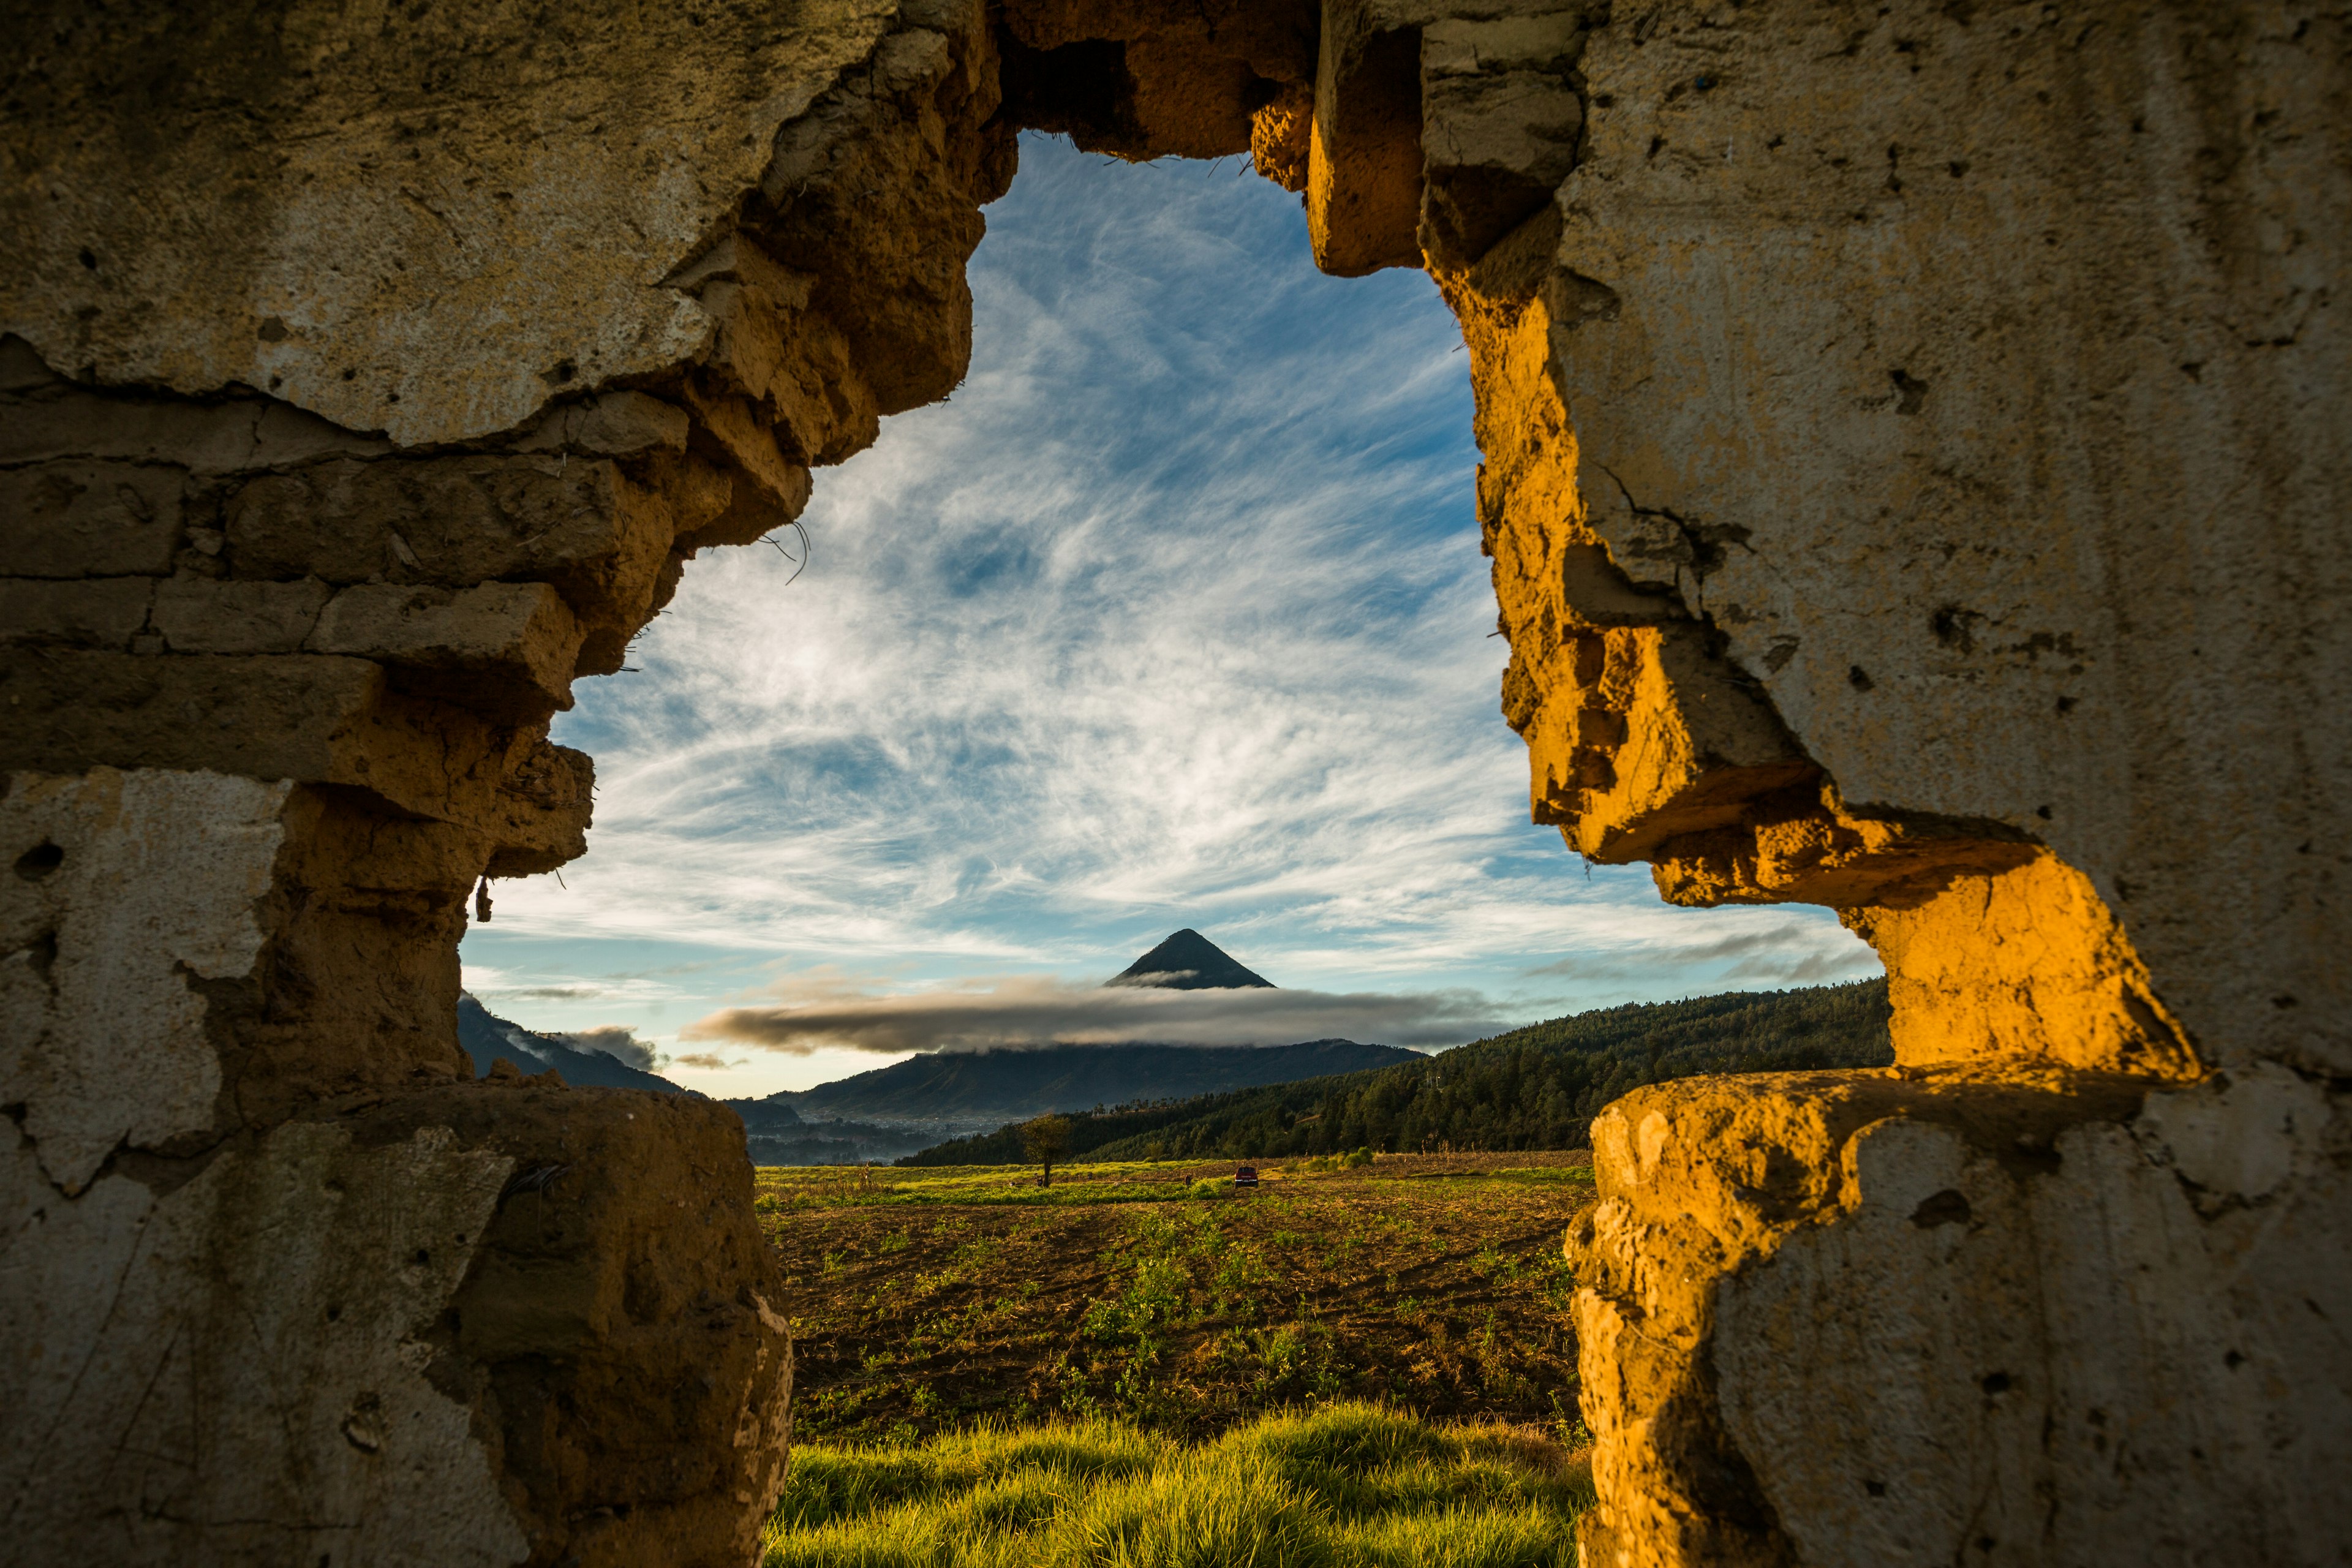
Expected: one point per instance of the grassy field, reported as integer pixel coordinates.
(1344, 1486)
(938, 1301)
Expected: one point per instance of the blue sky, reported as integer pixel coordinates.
(1172, 616)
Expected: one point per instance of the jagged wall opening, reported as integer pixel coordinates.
(1830, 397)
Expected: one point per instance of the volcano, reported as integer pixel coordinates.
(1190, 961)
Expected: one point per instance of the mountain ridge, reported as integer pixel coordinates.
(1532, 1088)
(979, 1088)
(910, 1105)
(487, 1037)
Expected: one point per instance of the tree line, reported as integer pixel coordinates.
(1536, 1088)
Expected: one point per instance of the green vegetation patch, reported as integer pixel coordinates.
(1351, 1485)
(788, 1189)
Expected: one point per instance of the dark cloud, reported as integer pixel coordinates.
(709, 1061)
(1031, 1011)
(618, 1041)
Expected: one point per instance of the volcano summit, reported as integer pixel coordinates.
(1190, 961)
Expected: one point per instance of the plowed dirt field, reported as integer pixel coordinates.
(925, 1300)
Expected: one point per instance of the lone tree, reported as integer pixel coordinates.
(1046, 1140)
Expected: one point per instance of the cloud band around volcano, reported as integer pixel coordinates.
(1030, 1011)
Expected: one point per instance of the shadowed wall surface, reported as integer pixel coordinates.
(1914, 448)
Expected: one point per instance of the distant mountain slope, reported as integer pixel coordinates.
(978, 1088)
(902, 1108)
(487, 1037)
(1537, 1088)
(773, 1115)
(1190, 961)
(832, 1143)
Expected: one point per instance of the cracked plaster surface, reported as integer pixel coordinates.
(286, 1300)
(425, 226)
(2128, 1390)
(128, 888)
(1958, 366)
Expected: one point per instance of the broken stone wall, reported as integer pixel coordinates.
(1915, 448)
(363, 388)
(1914, 454)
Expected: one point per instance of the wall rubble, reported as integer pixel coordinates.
(1914, 446)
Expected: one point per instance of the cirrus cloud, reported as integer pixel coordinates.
(1175, 614)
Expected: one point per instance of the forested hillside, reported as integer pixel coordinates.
(1536, 1088)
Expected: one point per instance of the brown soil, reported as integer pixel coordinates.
(934, 1298)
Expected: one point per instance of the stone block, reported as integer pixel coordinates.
(616, 425)
(501, 646)
(2025, 962)
(74, 517)
(738, 259)
(236, 435)
(311, 718)
(1281, 136)
(1499, 126)
(96, 613)
(1639, 734)
(456, 521)
(540, 817)
(1364, 162)
(198, 615)
(290, 717)
(749, 444)
(713, 505)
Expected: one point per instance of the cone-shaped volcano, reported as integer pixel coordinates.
(1189, 961)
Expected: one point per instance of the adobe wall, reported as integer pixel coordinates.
(1915, 446)
(1916, 449)
(365, 386)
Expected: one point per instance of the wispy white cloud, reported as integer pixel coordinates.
(1175, 614)
(615, 990)
(1778, 949)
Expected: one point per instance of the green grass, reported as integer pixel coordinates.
(795, 1188)
(1345, 1485)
